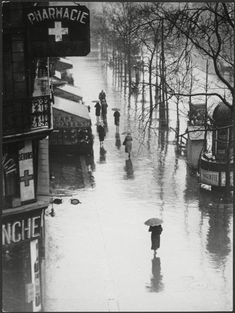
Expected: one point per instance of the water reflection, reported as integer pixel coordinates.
(71, 171)
(218, 241)
(102, 155)
(129, 169)
(117, 140)
(156, 284)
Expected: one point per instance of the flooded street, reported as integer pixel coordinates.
(98, 253)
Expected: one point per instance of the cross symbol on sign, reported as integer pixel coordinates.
(26, 178)
(58, 31)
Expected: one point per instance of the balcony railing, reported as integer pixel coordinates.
(26, 115)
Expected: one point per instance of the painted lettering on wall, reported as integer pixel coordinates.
(20, 230)
(58, 13)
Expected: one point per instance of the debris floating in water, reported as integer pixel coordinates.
(75, 201)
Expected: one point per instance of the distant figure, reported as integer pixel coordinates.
(155, 237)
(116, 115)
(89, 108)
(97, 111)
(101, 132)
(128, 144)
(102, 95)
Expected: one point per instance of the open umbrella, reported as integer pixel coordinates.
(154, 221)
(115, 109)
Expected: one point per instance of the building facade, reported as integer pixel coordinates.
(27, 123)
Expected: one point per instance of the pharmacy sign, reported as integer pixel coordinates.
(58, 30)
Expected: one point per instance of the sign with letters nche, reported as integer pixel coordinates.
(58, 30)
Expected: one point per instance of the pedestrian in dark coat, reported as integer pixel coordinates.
(128, 144)
(97, 111)
(116, 115)
(101, 132)
(102, 95)
(155, 236)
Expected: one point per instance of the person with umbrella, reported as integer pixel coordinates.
(97, 111)
(156, 229)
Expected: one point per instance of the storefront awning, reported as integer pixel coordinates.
(63, 64)
(71, 107)
(68, 92)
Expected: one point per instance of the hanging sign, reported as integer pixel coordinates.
(209, 177)
(58, 30)
(25, 157)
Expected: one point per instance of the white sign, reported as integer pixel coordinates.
(35, 274)
(209, 177)
(26, 172)
(58, 31)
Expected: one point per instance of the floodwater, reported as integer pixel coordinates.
(98, 253)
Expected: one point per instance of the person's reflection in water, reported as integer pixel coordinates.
(156, 284)
(129, 169)
(103, 155)
(117, 140)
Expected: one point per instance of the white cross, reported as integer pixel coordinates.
(58, 31)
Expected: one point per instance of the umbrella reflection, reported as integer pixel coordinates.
(117, 140)
(103, 155)
(129, 169)
(156, 284)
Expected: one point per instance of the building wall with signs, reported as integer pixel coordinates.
(26, 122)
(29, 38)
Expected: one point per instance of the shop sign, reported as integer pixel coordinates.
(209, 177)
(17, 230)
(58, 30)
(35, 275)
(25, 158)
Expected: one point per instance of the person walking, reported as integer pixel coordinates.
(155, 237)
(128, 144)
(116, 115)
(101, 132)
(97, 112)
(102, 95)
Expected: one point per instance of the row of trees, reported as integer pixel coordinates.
(166, 41)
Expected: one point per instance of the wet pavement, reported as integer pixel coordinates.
(98, 253)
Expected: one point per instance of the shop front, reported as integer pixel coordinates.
(23, 255)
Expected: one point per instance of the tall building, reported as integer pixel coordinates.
(27, 122)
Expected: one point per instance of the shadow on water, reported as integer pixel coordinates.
(117, 140)
(129, 169)
(216, 210)
(219, 218)
(102, 155)
(156, 284)
(71, 172)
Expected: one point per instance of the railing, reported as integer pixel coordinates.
(26, 115)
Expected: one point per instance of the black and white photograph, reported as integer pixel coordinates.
(117, 156)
